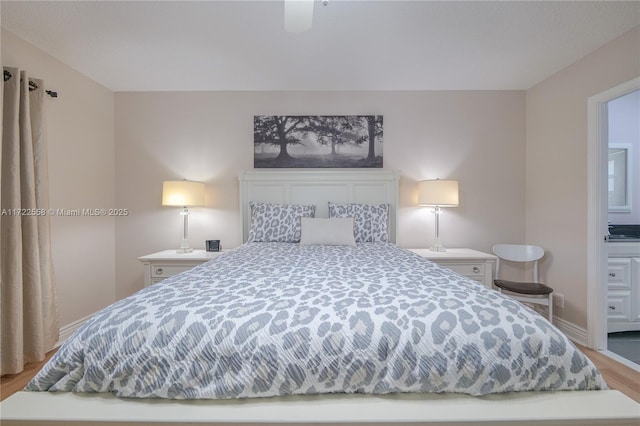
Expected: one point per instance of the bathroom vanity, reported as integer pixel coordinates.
(623, 301)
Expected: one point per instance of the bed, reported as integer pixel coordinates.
(302, 325)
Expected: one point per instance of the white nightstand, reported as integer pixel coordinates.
(470, 263)
(164, 264)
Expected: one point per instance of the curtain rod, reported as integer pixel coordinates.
(32, 85)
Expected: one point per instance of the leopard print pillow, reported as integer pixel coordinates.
(279, 223)
(370, 221)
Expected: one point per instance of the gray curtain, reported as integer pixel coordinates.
(28, 311)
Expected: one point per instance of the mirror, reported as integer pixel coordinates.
(619, 178)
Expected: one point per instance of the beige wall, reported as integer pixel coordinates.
(111, 150)
(475, 137)
(80, 129)
(556, 164)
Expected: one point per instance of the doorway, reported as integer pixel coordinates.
(598, 213)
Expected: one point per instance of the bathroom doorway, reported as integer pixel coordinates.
(611, 176)
(623, 194)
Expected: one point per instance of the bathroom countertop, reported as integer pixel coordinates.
(626, 249)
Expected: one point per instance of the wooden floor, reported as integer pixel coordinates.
(12, 383)
(618, 376)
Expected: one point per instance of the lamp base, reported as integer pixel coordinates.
(437, 244)
(184, 246)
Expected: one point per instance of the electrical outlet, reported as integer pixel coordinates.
(558, 300)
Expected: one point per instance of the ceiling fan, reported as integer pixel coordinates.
(298, 15)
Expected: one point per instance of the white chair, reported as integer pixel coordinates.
(530, 292)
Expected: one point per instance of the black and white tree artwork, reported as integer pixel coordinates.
(317, 141)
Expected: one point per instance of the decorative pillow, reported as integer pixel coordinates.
(370, 221)
(331, 232)
(277, 222)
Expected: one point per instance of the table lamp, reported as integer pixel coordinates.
(438, 193)
(185, 194)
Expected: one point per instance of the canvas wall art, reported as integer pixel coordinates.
(317, 141)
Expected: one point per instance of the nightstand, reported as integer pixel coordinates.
(164, 264)
(470, 263)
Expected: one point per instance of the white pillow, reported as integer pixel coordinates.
(330, 232)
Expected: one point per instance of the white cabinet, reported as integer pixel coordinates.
(164, 264)
(623, 293)
(470, 263)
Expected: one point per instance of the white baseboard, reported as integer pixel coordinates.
(572, 331)
(622, 360)
(67, 330)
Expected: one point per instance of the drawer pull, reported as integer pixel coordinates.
(612, 274)
(613, 308)
(476, 269)
(159, 271)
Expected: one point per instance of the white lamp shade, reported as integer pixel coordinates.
(182, 193)
(438, 192)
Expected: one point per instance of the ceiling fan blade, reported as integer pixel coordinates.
(298, 15)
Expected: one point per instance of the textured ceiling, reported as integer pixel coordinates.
(352, 45)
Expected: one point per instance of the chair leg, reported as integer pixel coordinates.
(551, 308)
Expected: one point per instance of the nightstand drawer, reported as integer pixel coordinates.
(167, 263)
(466, 269)
(467, 262)
(166, 271)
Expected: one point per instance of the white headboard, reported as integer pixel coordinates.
(318, 187)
